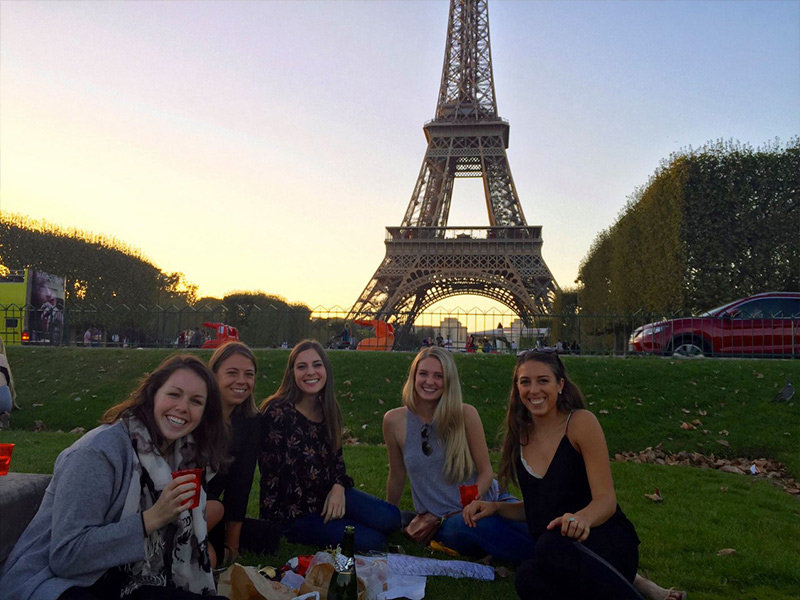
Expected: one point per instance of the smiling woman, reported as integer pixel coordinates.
(235, 366)
(305, 488)
(113, 505)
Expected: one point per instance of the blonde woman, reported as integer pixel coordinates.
(438, 442)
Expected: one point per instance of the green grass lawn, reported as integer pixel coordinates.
(646, 400)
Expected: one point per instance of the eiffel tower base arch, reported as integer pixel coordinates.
(424, 265)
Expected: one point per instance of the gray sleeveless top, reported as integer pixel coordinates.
(429, 489)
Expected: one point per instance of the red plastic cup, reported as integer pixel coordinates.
(468, 494)
(5, 457)
(194, 501)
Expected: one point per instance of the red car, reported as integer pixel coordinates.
(763, 325)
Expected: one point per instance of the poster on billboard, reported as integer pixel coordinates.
(46, 323)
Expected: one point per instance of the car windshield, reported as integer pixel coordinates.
(713, 311)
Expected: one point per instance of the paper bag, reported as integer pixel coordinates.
(239, 582)
(318, 577)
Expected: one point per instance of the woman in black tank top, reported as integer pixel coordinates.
(556, 452)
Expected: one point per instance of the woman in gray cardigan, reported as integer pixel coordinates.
(113, 521)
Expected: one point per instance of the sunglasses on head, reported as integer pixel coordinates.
(523, 355)
(427, 449)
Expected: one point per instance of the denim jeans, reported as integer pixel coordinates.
(504, 539)
(372, 518)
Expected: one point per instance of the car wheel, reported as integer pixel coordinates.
(688, 349)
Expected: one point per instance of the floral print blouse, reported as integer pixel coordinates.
(298, 467)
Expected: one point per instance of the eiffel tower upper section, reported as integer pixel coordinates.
(427, 261)
(466, 138)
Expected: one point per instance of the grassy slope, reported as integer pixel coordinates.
(644, 397)
(680, 537)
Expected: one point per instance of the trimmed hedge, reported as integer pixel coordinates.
(712, 225)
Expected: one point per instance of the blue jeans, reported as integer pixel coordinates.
(504, 539)
(372, 518)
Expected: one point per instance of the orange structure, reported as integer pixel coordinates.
(384, 335)
(222, 333)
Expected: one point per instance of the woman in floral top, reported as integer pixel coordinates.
(304, 484)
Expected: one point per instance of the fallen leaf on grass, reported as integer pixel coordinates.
(724, 432)
(78, 430)
(702, 412)
(603, 411)
(380, 401)
(35, 404)
(725, 443)
(685, 410)
(758, 375)
(686, 425)
(726, 551)
(731, 469)
(697, 422)
(387, 380)
(347, 382)
(723, 488)
(656, 497)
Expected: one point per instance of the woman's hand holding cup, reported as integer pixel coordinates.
(173, 500)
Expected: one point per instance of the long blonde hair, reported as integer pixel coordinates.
(448, 416)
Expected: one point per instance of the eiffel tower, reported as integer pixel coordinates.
(427, 261)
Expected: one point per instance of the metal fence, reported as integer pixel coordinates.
(461, 330)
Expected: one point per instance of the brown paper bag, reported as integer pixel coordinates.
(318, 578)
(239, 582)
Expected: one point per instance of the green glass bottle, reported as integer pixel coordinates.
(344, 583)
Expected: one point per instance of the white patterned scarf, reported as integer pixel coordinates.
(177, 554)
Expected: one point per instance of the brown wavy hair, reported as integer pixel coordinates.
(518, 423)
(289, 393)
(210, 435)
(223, 353)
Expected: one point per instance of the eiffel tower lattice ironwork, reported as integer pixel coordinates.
(427, 261)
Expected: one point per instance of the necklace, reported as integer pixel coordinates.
(538, 435)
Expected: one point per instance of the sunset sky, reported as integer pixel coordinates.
(265, 145)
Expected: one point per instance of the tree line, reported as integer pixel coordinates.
(114, 288)
(712, 225)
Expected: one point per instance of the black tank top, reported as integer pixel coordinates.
(564, 488)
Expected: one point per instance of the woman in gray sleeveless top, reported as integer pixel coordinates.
(439, 443)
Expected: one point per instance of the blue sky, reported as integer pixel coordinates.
(266, 145)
